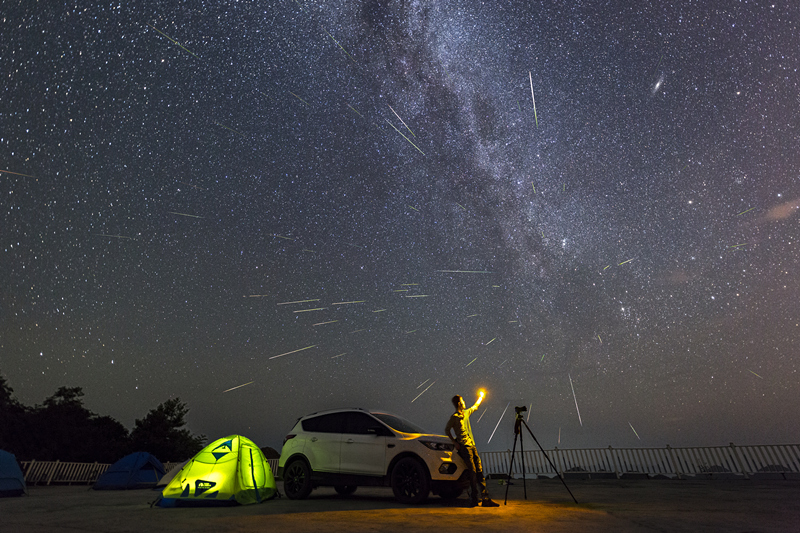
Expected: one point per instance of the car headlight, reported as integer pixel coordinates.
(440, 446)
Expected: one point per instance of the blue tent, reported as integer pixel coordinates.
(12, 482)
(138, 470)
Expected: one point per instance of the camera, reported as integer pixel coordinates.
(520, 409)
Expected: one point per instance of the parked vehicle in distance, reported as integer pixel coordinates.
(348, 448)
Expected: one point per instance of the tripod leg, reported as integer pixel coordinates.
(522, 458)
(511, 466)
(549, 461)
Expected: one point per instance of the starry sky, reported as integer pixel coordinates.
(272, 208)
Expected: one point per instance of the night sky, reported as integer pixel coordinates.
(587, 208)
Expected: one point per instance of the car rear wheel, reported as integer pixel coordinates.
(345, 490)
(297, 480)
(410, 481)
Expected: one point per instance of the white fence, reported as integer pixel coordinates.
(56, 472)
(716, 461)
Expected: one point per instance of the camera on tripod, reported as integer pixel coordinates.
(520, 409)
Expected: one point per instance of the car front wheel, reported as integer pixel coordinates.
(410, 481)
(297, 480)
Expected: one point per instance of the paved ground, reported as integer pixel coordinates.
(605, 505)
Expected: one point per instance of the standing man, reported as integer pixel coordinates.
(465, 446)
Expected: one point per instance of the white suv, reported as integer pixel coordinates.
(345, 448)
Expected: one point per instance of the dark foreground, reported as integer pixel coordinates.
(605, 505)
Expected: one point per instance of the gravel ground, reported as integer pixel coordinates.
(604, 505)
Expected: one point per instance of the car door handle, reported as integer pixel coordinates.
(390, 445)
(349, 441)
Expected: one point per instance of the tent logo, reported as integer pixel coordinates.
(201, 486)
(228, 444)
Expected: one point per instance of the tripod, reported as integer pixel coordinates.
(518, 423)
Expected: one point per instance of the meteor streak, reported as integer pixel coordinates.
(290, 92)
(576, 400)
(354, 109)
(307, 310)
(743, 212)
(483, 413)
(414, 208)
(115, 236)
(490, 342)
(341, 354)
(628, 261)
(299, 302)
(340, 46)
(423, 392)
(353, 302)
(17, 173)
(423, 383)
(417, 296)
(461, 206)
(379, 310)
(404, 137)
(323, 323)
(293, 351)
(238, 387)
(498, 422)
(174, 41)
(282, 237)
(738, 245)
(471, 362)
(231, 129)
(401, 120)
(183, 214)
(634, 431)
(534, 100)
(756, 375)
(466, 271)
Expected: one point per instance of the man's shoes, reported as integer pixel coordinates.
(488, 502)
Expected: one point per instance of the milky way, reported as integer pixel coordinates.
(355, 204)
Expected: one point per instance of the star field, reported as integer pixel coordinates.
(175, 174)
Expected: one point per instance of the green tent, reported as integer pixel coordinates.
(229, 471)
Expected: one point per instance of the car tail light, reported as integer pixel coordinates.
(287, 438)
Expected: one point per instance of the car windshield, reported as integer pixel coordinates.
(398, 424)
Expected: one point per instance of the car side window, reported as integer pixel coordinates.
(361, 424)
(331, 423)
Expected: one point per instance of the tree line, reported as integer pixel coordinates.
(63, 429)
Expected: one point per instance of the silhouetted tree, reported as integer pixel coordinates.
(63, 429)
(13, 421)
(161, 433)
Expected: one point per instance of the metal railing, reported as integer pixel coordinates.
(713, 461)
(58, 473)
(708, 461)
